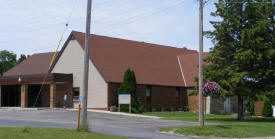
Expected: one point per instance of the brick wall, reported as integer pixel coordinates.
(0, 95)
(161, 96)
(112, 94)
(193, 102)
(61, 90)
(45, 96)
(258, 108)
(166, 97)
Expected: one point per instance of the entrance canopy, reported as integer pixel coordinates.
(36, 79)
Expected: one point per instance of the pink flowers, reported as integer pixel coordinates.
(211, 88)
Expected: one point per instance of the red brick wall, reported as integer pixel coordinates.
(0, 95)
(45, 96)
(258, 108)
(112, 94)
(61, 90)
(193, 102)
(166, 97)
(161, 96)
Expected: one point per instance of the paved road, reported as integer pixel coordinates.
(131, 127)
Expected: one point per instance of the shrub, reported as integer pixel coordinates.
(141, 109)
(250, 105)
(153, 109)
(222, 112)
(186, 108)
(26, 129)
(267, 110)
(162, 109)
(192, 93)
(128, 86)
(172, 109)
(180, 109)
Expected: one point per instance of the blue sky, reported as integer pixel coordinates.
(35, 26)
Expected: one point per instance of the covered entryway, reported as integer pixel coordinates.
(12, 96)
(29, 92)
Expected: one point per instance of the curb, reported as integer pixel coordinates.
(124, 114)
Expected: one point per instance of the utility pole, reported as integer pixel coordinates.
(84, 89)
(201, 100)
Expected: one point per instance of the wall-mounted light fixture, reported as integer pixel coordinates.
(19, 79)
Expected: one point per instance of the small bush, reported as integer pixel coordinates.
(180, 109)
(222, 112)
(142, 109)
(172, 109)
(26, 129)
(267, 110)
(162, 109)
(186, 108)
(125, 108)
(153, 109)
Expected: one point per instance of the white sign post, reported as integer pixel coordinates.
(124, 99)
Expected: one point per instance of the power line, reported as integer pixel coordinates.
(126, 11)
(67, 23)
(137, 18)
(47, 27)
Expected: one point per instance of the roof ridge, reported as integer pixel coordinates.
(154, 45)
(43, 53)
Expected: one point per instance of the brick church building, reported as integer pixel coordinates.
(164, 75)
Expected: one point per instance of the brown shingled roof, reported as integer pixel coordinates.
(190, 63)
(153, 64)
(35, 64)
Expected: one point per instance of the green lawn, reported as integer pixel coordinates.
(230, 127)
(49, 133)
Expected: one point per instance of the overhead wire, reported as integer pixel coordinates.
(137, 18)
(130, 20)
(52, 60)
(67, 23)
(124, 11)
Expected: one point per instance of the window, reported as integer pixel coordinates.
(148, 93)
(76, 92)
(178, 95)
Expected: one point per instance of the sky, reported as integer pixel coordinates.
(35, 26)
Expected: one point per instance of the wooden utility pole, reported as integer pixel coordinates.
(84, 89)
(201, 100)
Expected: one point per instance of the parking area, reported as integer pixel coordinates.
(127, 126)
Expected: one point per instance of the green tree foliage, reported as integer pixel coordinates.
(128, 86)
(267, 110)
(7, 61)
(22, 58)
(243, 59)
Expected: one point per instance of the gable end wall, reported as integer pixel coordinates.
(71, 62)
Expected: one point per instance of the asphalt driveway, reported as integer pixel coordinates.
(127, 126)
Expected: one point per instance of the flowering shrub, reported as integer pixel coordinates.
(211, 88)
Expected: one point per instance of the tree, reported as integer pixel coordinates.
(128, 86)
(22, 58)
(7, 61)
(267, 110)
(242, 61)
